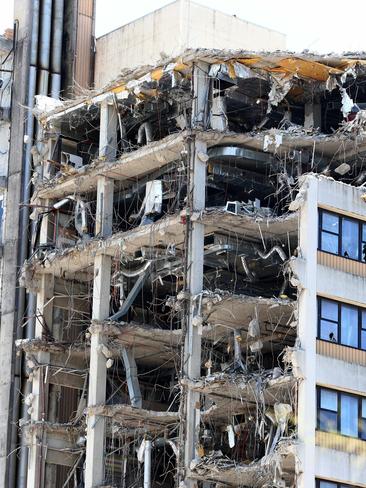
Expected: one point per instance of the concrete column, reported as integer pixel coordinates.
(94, 465)
(108, 131)
(39, 407)
(201, 90)
(192, 346)
(104, 213)
(313, 115)
(307, 332)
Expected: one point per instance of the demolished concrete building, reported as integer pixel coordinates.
(199, 263)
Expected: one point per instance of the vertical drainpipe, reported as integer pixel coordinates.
(44, 48)
(29, 311)
(44, 18)
(147, 464)
(56, 52)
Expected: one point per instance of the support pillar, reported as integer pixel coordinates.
(39, 406)
(313, 115)
(192, 347)
(104, 213)
(197, 191)
(307, 332)
(95, 454)
(108, 131)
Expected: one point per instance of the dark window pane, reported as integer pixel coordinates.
(329, 243)
(330, 222)
(364, 319)
(350, 238)
(329, 399)
(363, 409)
(363, 339)
(363, 251)
(327, 484)
(328, 421)
(328, 331)
(364, 232)
(363, 429)
(349, 415)
(329, 310)
(349, 326)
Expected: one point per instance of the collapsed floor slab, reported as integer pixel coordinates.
(276, 467)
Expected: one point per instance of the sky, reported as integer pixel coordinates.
(317, 25)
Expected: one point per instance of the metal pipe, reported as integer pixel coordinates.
(35, 29)
(250, 275)
(44, 47)
(131, 297)
(136, 272)
(55, 85)
(274, 249)
(147, 464)
(57, 28)
(22, 465)
(132, 378)
(42, 85)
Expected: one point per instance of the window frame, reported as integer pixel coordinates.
(360, 327)
(335, 483)
(339, 412)
(340, 217)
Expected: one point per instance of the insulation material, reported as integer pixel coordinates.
(280, 87)
(347, 102)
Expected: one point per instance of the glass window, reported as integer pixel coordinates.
(329, 243)
(330, 222)
(363, 420)
(329, 331)
(349, 326)
(329, 310)
(328, 414)
(363, 318)
(342, 323)
(328, 399)
(327, 484)
(331, 484)
(342, 235)
(363, 339)
(328, 421)
(349, 415)
(350, 238)
(363, 243)
(342, 413)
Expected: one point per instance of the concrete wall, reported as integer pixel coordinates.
(5, 99)
(342, 464)
(172, 29)
(4, 147)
